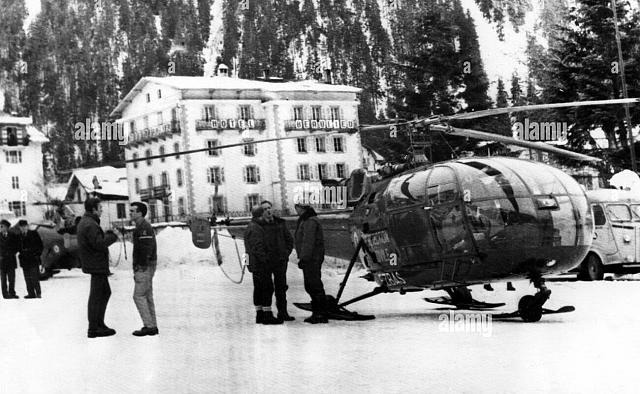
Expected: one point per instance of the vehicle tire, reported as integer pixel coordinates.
(591, 268)
(527, 309)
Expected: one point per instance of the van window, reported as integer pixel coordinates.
(598, 215)
(635, 210)
(619, 213)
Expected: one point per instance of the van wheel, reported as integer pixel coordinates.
(591, 268)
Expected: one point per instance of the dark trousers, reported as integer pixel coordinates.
(262, 287)
(313, 284)
(279, 274)
(32, 279)
(98, 300)
(8, 278)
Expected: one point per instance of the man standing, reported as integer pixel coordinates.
(93, 246)
(8, 246)
(30, 248)
(144, 267)
(310, 249)
(254, 245)
(278, 245)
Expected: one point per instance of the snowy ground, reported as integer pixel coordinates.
(208, 341)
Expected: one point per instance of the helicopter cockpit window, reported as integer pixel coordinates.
(480, 180)
(442, 187)
(538, 177)
(619, 213)
(407, 189)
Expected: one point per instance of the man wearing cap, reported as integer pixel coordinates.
(309, 242)
(30, 248)
(254, 245)
(8, 247)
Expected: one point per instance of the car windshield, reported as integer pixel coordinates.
(619, 213)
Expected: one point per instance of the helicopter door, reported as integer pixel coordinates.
(447, 219)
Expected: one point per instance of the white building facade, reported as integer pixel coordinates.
(171, 114)
(21, 171)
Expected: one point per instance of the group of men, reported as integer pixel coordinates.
(94, 254)
(27, 245)
(268, 244)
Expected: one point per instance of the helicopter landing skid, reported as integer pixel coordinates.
(474, 304)
(530, 306)
(335, 311)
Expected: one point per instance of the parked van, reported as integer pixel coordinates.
(616, 237)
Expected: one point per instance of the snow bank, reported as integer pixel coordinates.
(176, 248)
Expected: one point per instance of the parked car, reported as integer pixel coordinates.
(616, 236)
(60, 251)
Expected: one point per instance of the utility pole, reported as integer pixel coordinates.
(624, 89)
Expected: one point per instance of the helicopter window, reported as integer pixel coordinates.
(598, 215)
(538, 177)
(406, 189)
(442, 186)
(619, 213)
(480, 180)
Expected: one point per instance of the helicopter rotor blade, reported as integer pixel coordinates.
(511, 141)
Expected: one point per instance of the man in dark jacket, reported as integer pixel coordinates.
(310, 249)
(278, 244)
(254, 245)
(93, 246)
(30, 248)
(144, 267)
(8, 248)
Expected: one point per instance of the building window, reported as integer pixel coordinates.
(303, 172)
(14, 156)
(322, 171)
(251, 200)
(165, 178)
(162, 153)
(335, 113)
(208, 112)
(15, 182)
(159, 118)
(136, 183)
(212, 144)
(302, 145)
(297, 113)
(148, 98)
(122, 210)
(176, 149)
(19, 208)
(179, 177)
(340, 170)
(181, 206)
(251, 174)
(215, 175)
(135, 163)
(316, 112)
(249, 149)
(147, 154)
(159, 93)
(320, 144)
(146, 122)
(338, 146)
(132, 126)
(79, 194)
(245, 112)
(150, 181)
(12, 136)
(216, 205)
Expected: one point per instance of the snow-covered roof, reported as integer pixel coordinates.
(111, 181)
(228, 83)
(57, 191)
(36, 135)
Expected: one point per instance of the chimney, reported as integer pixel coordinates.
(223, 71)
(327, 76)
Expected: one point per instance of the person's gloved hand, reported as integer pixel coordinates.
(301, 264)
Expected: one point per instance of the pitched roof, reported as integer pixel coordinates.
(112, 181)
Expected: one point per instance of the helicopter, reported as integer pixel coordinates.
(477, 220)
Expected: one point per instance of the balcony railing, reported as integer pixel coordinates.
(323, 124)
(154, 133)
(230, 124)
(155, 193)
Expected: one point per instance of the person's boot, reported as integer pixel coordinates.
(259, 317)
(510, 287)
(283, 314)
(269, 319)
(317, 315)
(488, 287)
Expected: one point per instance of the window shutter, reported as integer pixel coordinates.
(331, 170)
(313, 172)
(244, 174)
(255, 149)
(203, 112)
(328, 144)
(346, 170)
(239, 112)
(299, 168)
(344, 144)
(221, 174)
(310, 144)
(246, 204)
(257, 174)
